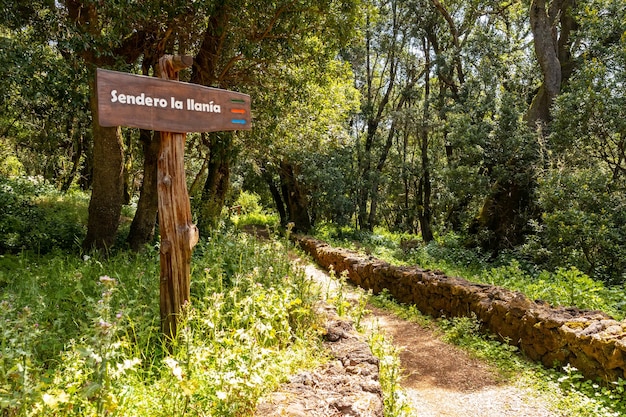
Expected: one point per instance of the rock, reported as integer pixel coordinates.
(337, 330)
(345, 386)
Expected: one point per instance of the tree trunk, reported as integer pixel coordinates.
(197, 181)
(365, 183)
(425, 188)
(505, 209)
(295, 198)
(276, 196)
(76, 158)
(107, 194)
(217, 182)
(129, 187)
(205, 72)
(143, 225)
(365, 155)
(178, 234)
(374, 112)
(425, 213)
(363, 198)
(142, 228)
(503, 215)
(384, 154)
(553, 54)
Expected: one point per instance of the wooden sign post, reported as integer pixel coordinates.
(172, 108)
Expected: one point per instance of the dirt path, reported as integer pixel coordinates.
(442, 380)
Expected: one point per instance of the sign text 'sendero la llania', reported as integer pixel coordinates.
(156, 104)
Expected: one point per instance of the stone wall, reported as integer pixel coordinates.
(591, 341)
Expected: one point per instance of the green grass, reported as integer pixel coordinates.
(80, 333)
(264, 220)
(80, 337)
(37, 217)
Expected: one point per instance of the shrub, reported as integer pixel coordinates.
(36, 216)
(584, 223)
(248, 211)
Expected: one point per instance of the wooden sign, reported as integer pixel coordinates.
(167, 105)
(172, 108)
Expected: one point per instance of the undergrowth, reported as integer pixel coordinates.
(80, 336)
(37, 217)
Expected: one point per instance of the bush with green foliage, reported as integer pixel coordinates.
(247, 210)
(584, 224)
(35, 216)
(561, 287)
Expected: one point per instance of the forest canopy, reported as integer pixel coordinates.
(501, 122)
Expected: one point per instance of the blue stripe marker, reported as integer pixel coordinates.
(239, 121)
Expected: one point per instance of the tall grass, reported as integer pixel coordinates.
(37, 217)
(80, 336)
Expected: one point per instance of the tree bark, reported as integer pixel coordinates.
(552, 26)
(197, 181)
(425, 188)
(143, 225)
(546, 52)
(178, 234)
(218, 180)
(372, 218)
(502, 214)
(295, 198)
(553, 54)
(142, 228)
(505, 211)
(374, 112)
(76, 158)
(129, 187)
(205, 72)
(106, 201)
(276, 196)
(107, 194)
(425, 214)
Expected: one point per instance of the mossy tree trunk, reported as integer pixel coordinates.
(107, 195)
(222, 152)
(295, 197)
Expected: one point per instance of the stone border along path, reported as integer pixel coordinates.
(348, 385)
(591, 341)
(441, 380)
